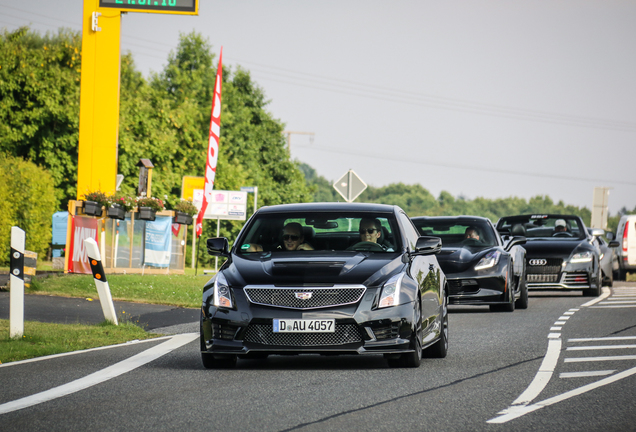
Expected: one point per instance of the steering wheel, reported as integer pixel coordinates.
(366, 246)
(562, 234)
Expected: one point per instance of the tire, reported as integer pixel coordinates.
(622, 275)
(412, 359)
(505, 307)
(440, 348)
(594, 292)
(522, 301)
(211, 362)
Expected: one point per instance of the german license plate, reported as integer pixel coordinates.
(304, 325)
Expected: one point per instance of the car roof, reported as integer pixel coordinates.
(456, 219)
(330, 207)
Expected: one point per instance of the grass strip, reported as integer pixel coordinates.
(41, 339)
(175, 290)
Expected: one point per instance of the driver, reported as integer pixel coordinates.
(560, 226)
(471, 233)
(370, 230)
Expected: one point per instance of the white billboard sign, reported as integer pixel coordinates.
(231, 205)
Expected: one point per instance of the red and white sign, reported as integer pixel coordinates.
(213, 145)
(82, 228)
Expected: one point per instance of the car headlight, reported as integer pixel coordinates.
(582, 257)
(391, 291)
(222, 292)
(489, 260)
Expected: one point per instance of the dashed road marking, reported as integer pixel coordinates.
(100, 376)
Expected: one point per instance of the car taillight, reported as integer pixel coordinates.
(625, 238)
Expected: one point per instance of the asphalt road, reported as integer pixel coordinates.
(66, 310)
(567, 363)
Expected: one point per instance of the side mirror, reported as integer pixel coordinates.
(610, 236)
(218, 246)
(614, 244)
(517, 240)
(427, 245)
(597, 232)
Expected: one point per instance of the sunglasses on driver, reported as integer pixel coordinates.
(368, 230)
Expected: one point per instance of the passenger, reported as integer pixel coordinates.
(560, 226)
(370, 230)
(293, 238)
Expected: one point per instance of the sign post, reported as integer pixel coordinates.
(16, 297)
(99, 86)
(350, 186)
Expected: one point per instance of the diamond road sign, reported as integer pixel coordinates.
(350, 186)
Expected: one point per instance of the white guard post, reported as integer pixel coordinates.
(16, 297)
(92, 250)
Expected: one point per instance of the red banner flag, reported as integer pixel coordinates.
(213, 144)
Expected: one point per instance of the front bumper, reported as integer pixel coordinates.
(570, 277)
(359, 330)
(482, 287)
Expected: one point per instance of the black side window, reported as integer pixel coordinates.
(410, 232)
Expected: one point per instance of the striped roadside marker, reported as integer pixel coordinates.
(103, 290)
(16, 297)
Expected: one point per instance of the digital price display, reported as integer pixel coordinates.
(188, 7)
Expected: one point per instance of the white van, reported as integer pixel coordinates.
(626, 252)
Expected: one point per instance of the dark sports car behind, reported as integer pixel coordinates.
(482, 268)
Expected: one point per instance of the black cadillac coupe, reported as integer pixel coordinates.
(481, 267)
(560, 254)
(326, 278)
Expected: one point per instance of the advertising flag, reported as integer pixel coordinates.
(213, 145)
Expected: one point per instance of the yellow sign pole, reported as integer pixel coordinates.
(99, 99)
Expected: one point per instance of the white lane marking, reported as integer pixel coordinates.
(518, 411)
(593, 359)
(568, 313)
(100, 376)
(609, 338)
(599, 347)
(555, 328)
(614, 307)
(519, 406)
(564, 318)
(543, 375)
(617, 301)
(585, 374)
(559, 323)
(52, 356)
(606, 294)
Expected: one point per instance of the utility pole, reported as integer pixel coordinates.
(289, 134)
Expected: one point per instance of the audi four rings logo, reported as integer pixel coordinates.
(538, 262)
(303, 295)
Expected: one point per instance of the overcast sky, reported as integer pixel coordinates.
(492, 98)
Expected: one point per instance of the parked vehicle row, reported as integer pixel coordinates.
(341, 278)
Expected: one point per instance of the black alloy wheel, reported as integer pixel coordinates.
(522, 301)
(506, 307)
(412, 359)
(440, 348)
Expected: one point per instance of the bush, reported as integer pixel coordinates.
(27, 200)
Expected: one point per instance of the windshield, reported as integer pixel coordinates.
(543, 226)
(301, 232)
(458, 233)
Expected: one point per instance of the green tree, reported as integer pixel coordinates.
(39, 102)
(27, 200)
